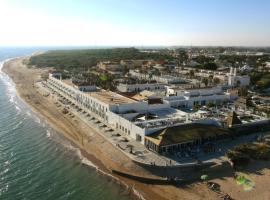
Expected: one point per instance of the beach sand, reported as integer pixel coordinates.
(104, 155)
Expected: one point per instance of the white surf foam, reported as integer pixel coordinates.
(48, 134)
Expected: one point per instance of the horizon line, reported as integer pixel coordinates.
(134, 46)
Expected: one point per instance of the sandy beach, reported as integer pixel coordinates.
(107, 157)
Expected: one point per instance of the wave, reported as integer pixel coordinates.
(48, 134)
(18, 108)
(17, 125)
(87, 162)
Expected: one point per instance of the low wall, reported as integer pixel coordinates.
(249, 128)
(147, 180)
(179, 166)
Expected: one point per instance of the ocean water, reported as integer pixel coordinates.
(35, 162)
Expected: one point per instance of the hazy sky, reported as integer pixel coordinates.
(134, 22)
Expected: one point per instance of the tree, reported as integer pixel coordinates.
(182, 55)
(210, 79)
(203, 59)
(243, 92)
(216, 81)
(238, 83)
(210, 105)
(150, 76)
(210, 66)
(196, 107)
(191, 73)
(205, 81)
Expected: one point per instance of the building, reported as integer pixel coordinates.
(235, 80)
(232, 119)
(179, 98)
(118, 112)
(83, 86)
(166, 79)
(109, 66)
(241, 103)
(152, 122)
(136, 119)
(181, 138)
(140, 87)
(246, 68)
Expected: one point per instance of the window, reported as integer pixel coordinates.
(138, 137)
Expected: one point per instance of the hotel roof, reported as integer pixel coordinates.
(180, 134)
(68, 82)
(111, 98)
(73, 84)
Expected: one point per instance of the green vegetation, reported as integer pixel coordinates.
(216, 80)
(206, 62)
(239, 60)
(260, 80)
(210, 105)
(103, 77)
(84, 59)
(205, 81)
(203, 59)
(183, 57)
(209, 65)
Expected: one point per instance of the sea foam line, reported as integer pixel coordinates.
(83, 159)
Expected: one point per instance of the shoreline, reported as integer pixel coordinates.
(14, 69)
(106, 156)
(102, 153)
(91, 160)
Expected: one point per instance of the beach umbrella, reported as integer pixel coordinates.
(204, 177)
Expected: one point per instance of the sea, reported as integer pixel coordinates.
(37, 163)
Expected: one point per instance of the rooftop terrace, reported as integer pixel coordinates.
(68, 82)
(111, 98)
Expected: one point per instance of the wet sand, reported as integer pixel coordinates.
(102, 153)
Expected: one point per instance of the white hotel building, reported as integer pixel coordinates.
(140, 87)
(134, 118)
(179, 98)
(166, 79)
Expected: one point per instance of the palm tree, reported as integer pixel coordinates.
(216, 81)
(191, 73)
(205, 81)
(210, 78)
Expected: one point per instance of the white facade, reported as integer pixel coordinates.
(166, 79)
(140, 87)
(189, 98)
(234, 80)
(114, 110)
(122, 114)
(86, 88)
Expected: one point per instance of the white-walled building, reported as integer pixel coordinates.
(140, 87)
(119, 112)
(166, 79)
(136, 119)
(236, 80)
(82, 86)
(179, 98)
(108, 65)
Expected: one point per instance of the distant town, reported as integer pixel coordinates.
(164, 107)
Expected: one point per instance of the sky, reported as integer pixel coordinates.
(135, 23)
